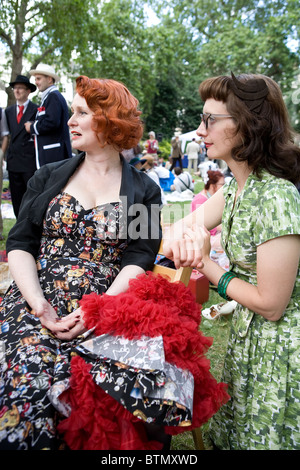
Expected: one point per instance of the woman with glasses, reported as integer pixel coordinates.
(246, 124)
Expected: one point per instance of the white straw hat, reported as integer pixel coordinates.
(44, 69)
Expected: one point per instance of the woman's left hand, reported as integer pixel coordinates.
(69, 327)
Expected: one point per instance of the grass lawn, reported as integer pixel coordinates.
(218, 329)
(7, 225)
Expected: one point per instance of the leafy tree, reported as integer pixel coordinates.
(89, 37)
(121, 48)
(173, 61)
(292, 99)
(244, 35)
(40, 30)
(163, 117)
(161, 64)
(237, 35)
(190, 104)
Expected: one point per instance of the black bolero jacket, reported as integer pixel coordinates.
(140, 196)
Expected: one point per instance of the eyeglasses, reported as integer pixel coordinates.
(209, 119)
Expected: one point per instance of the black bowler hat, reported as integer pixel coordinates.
(25, 81)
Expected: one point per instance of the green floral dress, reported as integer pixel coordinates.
(262, 362)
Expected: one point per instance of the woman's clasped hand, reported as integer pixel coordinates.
(64, 328)
(192, 249)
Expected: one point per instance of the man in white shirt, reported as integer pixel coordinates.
(183, 181)
(192, 151)
(3, 136)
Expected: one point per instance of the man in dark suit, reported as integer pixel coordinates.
(20, 155)
(50, 129)
(176, 152)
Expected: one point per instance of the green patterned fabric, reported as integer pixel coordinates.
(262, 363)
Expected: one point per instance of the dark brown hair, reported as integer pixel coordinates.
(116, 113)
(267, 139)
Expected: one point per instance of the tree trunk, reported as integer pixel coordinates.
(17, 49)
(16, 69)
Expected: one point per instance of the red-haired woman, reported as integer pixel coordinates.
(76, 234)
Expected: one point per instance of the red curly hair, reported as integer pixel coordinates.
(213, 178)
(116, 114)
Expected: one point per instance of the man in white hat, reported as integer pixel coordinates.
(50, 129)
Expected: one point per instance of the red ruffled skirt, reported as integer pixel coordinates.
(151, 307)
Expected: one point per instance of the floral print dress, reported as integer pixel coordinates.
(262, 359)
(80, 253)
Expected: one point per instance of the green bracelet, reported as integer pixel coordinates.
(224, 281)
(223, 284)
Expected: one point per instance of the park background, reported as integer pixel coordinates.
(161, 50)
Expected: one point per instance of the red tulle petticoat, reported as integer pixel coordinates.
(152, 306)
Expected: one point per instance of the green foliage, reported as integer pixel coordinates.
(165, 149)
(162, 64)
(163, 117)
(91, 37)
(191, 104)
(238, 35)
(120, 48)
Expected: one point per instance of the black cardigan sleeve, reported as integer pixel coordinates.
(144, 228)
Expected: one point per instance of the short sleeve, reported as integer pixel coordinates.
(278, 212)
